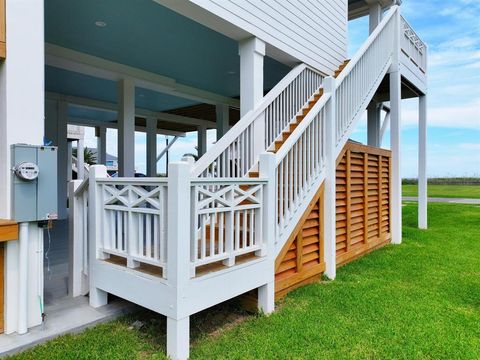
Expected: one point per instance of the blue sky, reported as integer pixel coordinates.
(451, 28)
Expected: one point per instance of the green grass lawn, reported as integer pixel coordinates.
(419, 300)
(446, 191)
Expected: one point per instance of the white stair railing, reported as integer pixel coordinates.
(357, 83)
(301, 159)
(238, 150)
(78, 237)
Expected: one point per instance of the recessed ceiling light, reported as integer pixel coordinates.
(100, 23)
(231, 72)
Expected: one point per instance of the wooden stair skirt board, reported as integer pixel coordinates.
(363, 200)
(363, 218)
(301, 260)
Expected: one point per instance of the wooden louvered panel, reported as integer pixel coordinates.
(363, 206)
(301, 259)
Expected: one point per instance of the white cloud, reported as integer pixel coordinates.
(470, 146)
(456, 116)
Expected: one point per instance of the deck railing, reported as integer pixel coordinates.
(134, 225)
(131, 218)
(413, 47)
(226, 220)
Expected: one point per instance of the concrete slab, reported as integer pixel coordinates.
(66, 315)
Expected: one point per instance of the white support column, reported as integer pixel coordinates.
(56, 113)
(126, 128)
(178, 257)
(385, 125)
(22, 110)
(101, 133)
(330, 179)
(223, 119)
(80, 159)
(373, 124)
(422, 163)
(152, 147)
(178, 338)
(375, 15)
(266, 293)
(252, 52)
(395, 140)
(23, 278)
(98, 297)
(202, 140)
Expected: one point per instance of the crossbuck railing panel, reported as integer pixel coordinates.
(412, 46)
(227, 220)
(237, 152)
(356, 83)
(134, 222)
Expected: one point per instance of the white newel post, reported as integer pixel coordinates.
(422, 163)
(152, 147)
(178, 256)
(80, 159)
(252, 52)
(22, 110)
(98, 297)
(126, 128)
(395, 138)
(330, 177)
(267, 168)
(76, 282)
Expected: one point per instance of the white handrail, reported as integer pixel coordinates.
(300, 160)
(358, 55)
(238, 149)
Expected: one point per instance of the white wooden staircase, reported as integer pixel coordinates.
(212, 230)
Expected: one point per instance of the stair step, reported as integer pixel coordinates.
(253, 174)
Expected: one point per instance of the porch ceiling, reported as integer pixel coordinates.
(144, 35)
(359, 8)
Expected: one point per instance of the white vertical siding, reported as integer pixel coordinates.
(313, 31)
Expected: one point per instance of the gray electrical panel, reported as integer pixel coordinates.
(34, 182)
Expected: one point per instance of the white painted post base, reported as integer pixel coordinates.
(178, 338)
(98, 297)
(422, 163)
(329, 210)
(266, 298)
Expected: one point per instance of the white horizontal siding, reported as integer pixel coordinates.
(313, 31)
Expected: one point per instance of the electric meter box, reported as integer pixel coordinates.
(34, 182)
